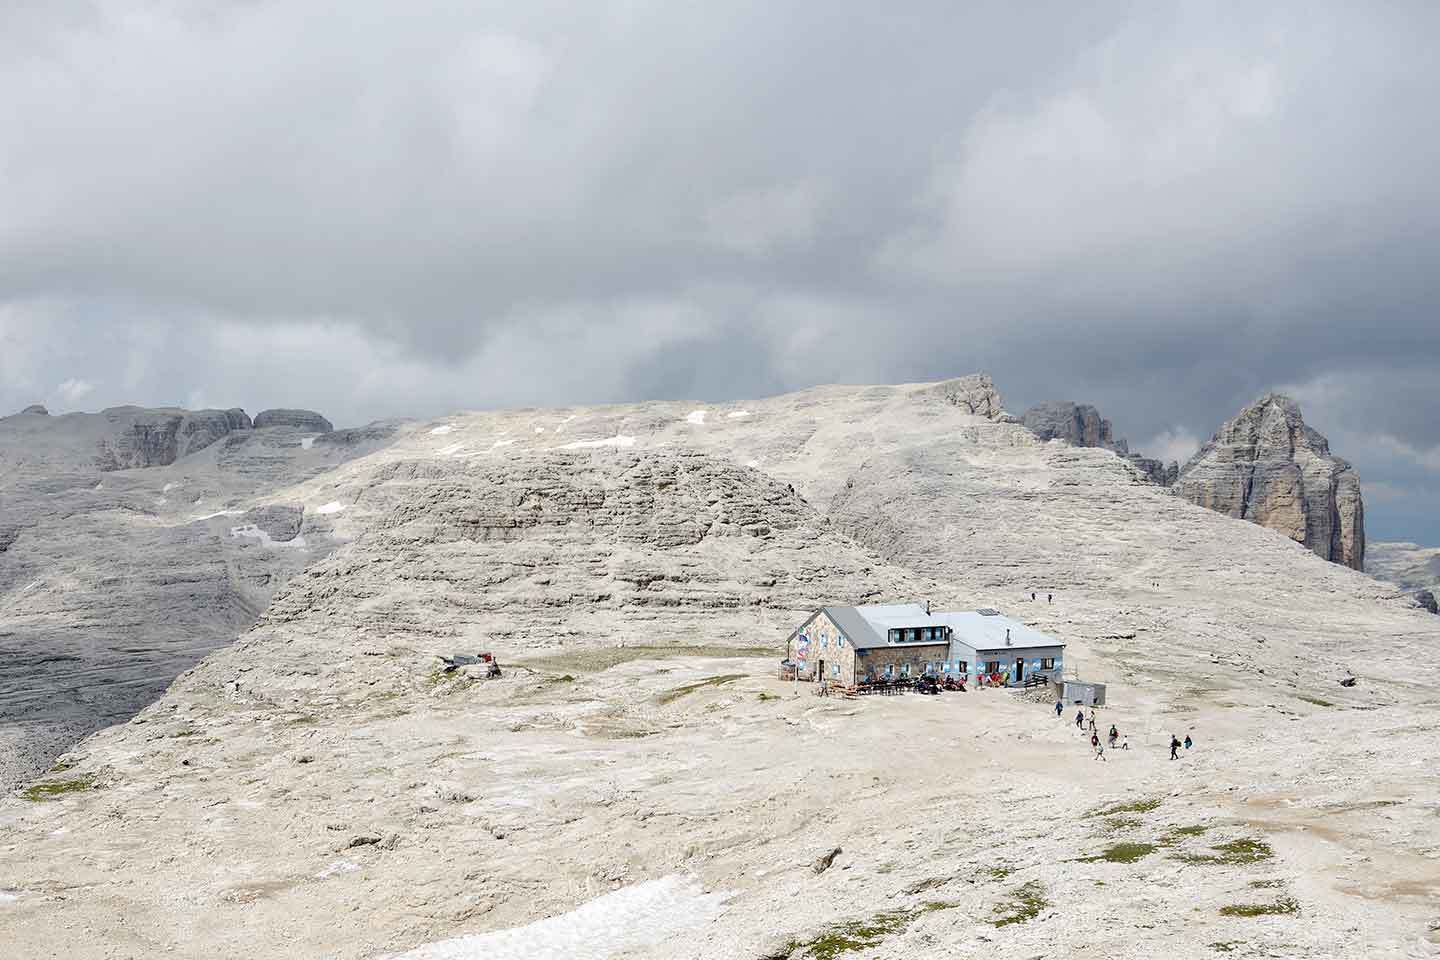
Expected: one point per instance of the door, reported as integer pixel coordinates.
(1019, 669)
(821, 674)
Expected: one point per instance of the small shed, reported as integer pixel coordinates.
(1080, 691)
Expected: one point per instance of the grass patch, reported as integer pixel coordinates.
(1285, 905)
(1026, 903)
(1315, 700)
(1176, 834)
(766, 695)
(1225, 946)
(1122, 853)
(670, 696)
(1119, 824)
(60, 766)
(999, 873)
(52, 789)
(1234, 853)
(863, 934)
(594, 660)
(1266, 884)
(563, 678)
(1134, 806)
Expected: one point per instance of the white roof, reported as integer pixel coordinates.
(983, 632)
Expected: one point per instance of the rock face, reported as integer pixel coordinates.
(141, 437)
(279, 521)
(1268, 467)
(1078, 424)
(1426, 599)
(38, 409)
(1081, 425)
(307, 420)
(975, 394)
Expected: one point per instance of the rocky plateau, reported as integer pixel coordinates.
(324, 787)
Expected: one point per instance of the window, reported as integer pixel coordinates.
(824, 642)
(839, 640)
(960, 666)
(1047, 663)
(889, 671)
(905, 669)
(992, 666)
(835, 671)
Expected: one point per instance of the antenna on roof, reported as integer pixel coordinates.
(1007, 636)
(927, 608)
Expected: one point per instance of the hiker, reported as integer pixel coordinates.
(1125, 742)
(1094, 741)
(1174, 747)
(1114, 735)
(1188, 742)
(1049, 598)
(1092, 719)
(1080, 718)
(1032, 596)
(1059, 708)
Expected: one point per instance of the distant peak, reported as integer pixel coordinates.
(38, 409)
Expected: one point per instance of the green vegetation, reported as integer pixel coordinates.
(765, 695)
(594, 660)
(60, 766)
(861, 934)
(1134, 806)
(1000, 872)
(1118, 824)
(1266, 884)
(1177, 834)
(1122, 853)
(1225, 946)
(563, 678)
(670, 696)
(1234, 853)
(1284, 905)
(1315, 700)
(1029, 900)
(51, 789)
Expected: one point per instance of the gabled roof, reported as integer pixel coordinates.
(870, 626)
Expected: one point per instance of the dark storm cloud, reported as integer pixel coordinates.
(1164, 209)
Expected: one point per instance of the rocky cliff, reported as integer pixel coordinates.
(142, 437)
(1080, 425)
(1268, 467)
(307, 420)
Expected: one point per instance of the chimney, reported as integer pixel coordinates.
(927, 608)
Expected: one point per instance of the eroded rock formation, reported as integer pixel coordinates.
(1080, 425)
(307, 420)
(1268, 467)
(140, 437)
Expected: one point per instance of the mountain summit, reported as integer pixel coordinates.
(1269, 467)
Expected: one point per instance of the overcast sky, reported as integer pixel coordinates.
(378, 209)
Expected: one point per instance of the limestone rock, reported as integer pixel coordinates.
(279, 521)
(1426, 599)
(37, 409)
(140, 437)
(975, 394)
(1078, 424)
(307, 420)
(1268, 467)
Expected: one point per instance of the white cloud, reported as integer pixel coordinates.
(74, 390)
(1176, 443)
(762, 221)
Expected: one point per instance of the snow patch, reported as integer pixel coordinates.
(336, 868)
(737, 414)
(218, 513)
(618, 442)
(168, 487)
(9, 896)
(752, 464)
(539, 429)
(98, 486)
(306, 443)
(452, 448)
(502, 443)
(334, 506)
(696, 417)
(629, 919)
(440, 431)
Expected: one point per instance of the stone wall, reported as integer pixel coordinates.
(873, 661)
(827, 644)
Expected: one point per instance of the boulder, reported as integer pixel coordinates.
(306, 420)
(1426, 599)
(1268, 467)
